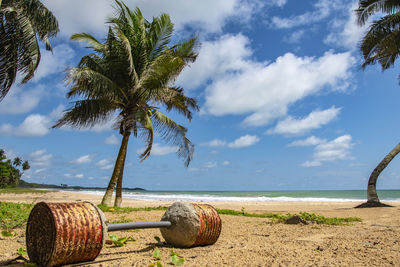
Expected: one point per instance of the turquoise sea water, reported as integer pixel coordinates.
(263, 196)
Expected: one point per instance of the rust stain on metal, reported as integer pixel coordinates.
(63, 233)
(210, 225)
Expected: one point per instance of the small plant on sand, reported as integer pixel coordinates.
(308, 217)
(121, 241)
(176, 259)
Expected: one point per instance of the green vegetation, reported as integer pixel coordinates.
(176, 259)
(11, 170)
(308, 217)
(14, 215)
(131, 73)
(106, 208)
(380, 44)
(121, 241)
(18, 190)
(22, 24)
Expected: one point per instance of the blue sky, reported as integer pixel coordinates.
(284, 102)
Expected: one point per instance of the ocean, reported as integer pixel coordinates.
(256, 196)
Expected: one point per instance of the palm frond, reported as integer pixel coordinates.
(21, 23)
(160, 32)
(173, 133)
(88, 38)
(366, 8)
(381, 42)
(87, 113)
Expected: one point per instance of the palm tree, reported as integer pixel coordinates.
(22, 23)
(379, 45)
(131, 74)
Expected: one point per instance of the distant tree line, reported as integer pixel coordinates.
(11, 170)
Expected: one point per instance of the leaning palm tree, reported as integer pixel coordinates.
(380, 45)
(22, 23)
(130, 75)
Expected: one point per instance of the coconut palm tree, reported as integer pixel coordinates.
(130, 75)
(22, 23)
(379, 45)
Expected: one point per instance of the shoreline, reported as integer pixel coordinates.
(246, 241)
(250, 206)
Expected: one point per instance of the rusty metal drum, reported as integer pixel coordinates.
(64, 233)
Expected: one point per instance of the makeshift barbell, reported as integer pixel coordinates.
(65, 233)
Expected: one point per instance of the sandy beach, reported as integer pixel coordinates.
(246, 241)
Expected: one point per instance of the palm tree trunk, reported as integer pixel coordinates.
(119, 164)
(372, 196)
(118, 195)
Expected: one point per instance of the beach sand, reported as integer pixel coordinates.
(246, 241)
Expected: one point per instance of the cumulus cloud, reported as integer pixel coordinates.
(83, 159)
(236, 84)
(322, 9)
(40, 158)
(79, 175)
(215, 143)
(243, 141)
(330, 151)
(105, 164)
(159, 150)
(21, 100)
(54, 62)
(33, 125)
(345, 31)
(112, 140)
(310, 141)
(314, 120)
(197, 14)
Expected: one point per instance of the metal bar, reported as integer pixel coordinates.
(138, 225)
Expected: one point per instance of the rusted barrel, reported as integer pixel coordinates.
(192, 225)
(64, 233)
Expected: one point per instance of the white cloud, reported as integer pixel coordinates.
(83, 159)
(54, 62)
(237, 85)
(112, 140)
(346, 33)
(158, 150)
(79, 175)
(40, 158)
(20, 100)
(294, 37)
(322, 9)
(310, 141)
(33, 125)
(337, 149)
(244, 141)
(210, 165)
(215, 143)
(197, 14)
(314, 120)
(226, 163)
(105, 164)
(39, 171)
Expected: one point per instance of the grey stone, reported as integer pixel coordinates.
(185, 225)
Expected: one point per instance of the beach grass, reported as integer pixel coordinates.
(18, 190)
(13, 215)
(308, 217)
(106, 208)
